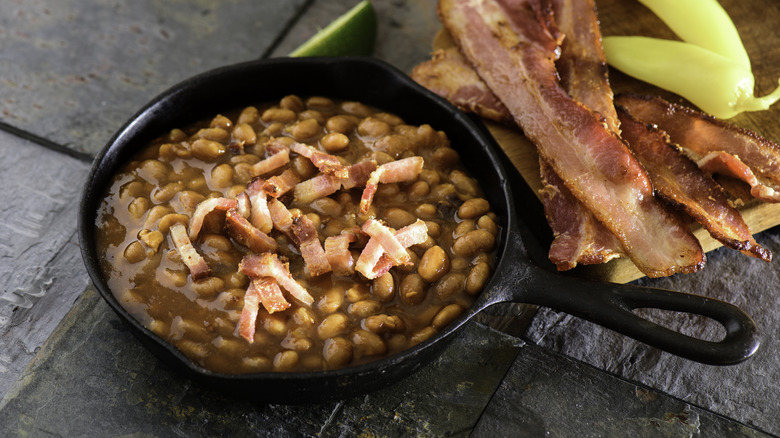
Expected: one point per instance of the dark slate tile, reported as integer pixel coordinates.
(93, 369)
(546, 394)
(40, 263)
(73, 71)
(748, 392)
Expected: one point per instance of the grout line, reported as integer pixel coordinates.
(41, 141)
(287, 27)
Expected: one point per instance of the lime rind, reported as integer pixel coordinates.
(353, 33)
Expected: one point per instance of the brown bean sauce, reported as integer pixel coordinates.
(352, 319)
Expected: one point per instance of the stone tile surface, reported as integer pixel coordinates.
(73, 71)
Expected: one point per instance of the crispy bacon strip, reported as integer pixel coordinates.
(314, 188)
(278, 185)
(386, 237)
(677, 180)
(280, 216)
(306, 237)
(717, 146)
(189, 255)
(356, 174)
(206, 207)
(514, 53)
(246, 234)
(271, 163)
(450, 76)
(373, 262)
(259, 215)
(578, 237)
(247, 322)
(338, 254)
(326, 163)
(243, 204)
(268, 265)
(406, 169)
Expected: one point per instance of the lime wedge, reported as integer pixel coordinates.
(351, 34)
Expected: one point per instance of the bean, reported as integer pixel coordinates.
(449, 285)
(460, 264)
(215, 134)
(445, 158)
(320, 103)
(171, 151)
(280, 115)
(135, 252)
(464, 183)
(305, 129)
(311, 114)
(209, 286)
(222, 175)
(315, 220)
(139, 206)
(367, 343)
(333, 325)
(132, 189)
(339, 124)
(231, 299)
(412, 289)
(488, 224)
(430, 176)
(189, 200)
(392, 145)
(176, 135)
(216, 241)
(249, 115)
(396, 342)
(477, 277)
(356, 293)
(207, 150)
(398, 217)
(388, 118)
(273, 324)
(326, 206)
(286, 360)
(304, 317)
(297, 343)
(292, 102)
(176, 277)
(243, 173)
(167, 192)
(337, 352)
(334, 142)
(364, 308)
(429, 242)
(244, 134)
(255, 364)
(422, 335)
(463, 228)
(433, 264)
(372, 127)
(443, 192)
(155, 214)
(236, 280)
(419, 190)
(192, 349)
(356, 109)
(447, 315)
(273, 129)
(153, 171)
(303, 167)
(384, 323)
(383, 287)
(426, 211)
(473, 208)
(473, 242)
(197, 184)
(152, 239)
(434, 229)
(414, 259)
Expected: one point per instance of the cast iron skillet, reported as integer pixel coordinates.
(522, 273)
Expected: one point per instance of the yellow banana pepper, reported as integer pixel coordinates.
(702, 22)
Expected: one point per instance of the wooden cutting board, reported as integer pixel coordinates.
(757, 22)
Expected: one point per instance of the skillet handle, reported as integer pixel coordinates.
(611, 305)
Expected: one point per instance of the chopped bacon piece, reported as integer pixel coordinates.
(320, 186)
(373, 262)
(271, 163)
(578, 237)
(356, 174)
(386, 237)
(338, 254)
(514, 52)
(189, 255)
(243, 205)
(406, 169)
(677, 180)
(306, 237)
(270, 295)
(268, 265)
(206, 207)
(246, 234)
(277, 144)
(449, 75)
(248, 320)
(259, 215)
(326, 163)
(280, 216)
(717, 146)
(278, 185)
